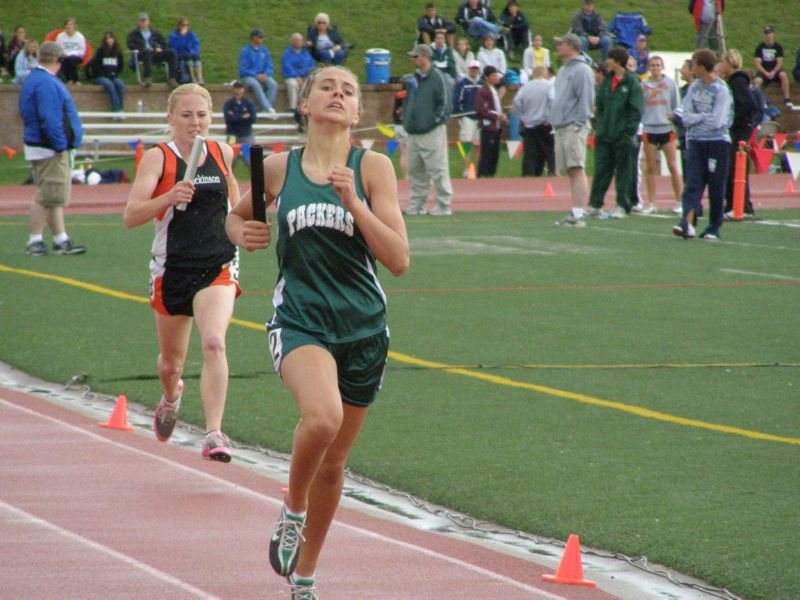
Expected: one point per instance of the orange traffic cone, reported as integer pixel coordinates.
(471, 171)
(548, 191)
(789, 186)
(570, 569)
(119, 417)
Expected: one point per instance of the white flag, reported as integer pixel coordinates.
(513, 147)
(366, 143)
(794, 163)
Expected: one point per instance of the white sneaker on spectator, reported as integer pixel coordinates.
(440, 211)
(619, 213)
(592, 212)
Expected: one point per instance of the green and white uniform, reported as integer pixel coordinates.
(327, 291)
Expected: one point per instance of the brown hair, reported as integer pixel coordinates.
(705, 58)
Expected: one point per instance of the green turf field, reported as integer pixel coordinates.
(615, 382)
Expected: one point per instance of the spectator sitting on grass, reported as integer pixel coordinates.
(325, 42)
(187, 49)
(491, 55)
(255, 70)
(514, 28)
(443, 58)
(641, 55)
(535, 56)
(27, 61)
(463, 57)
(477, 20)
(590, 27)
(15, 46)
(769, 60)
(151, 47)
(429, 24)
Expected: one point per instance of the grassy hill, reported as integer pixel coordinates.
(223, 28)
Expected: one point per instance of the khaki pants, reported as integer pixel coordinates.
(53, 180)
(428, 163)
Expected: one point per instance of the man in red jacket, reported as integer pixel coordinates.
(707, 23)
(491, 120)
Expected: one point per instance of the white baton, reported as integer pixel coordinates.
(191, 165)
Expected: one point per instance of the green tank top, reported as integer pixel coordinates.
(327, 280)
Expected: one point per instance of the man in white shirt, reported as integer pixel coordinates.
(532, 104)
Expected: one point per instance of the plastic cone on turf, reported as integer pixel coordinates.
(119, 416)
(471, 171)
(789, 187)
(548, 191)
(570, 569)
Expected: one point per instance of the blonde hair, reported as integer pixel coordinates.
(179, 92)
(733, 57)
(324, 17)
(311, 78)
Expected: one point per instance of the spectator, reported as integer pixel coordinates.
(535, 56)
(600, 70)
(400, 134)
(464, 105)
(687, 76)
(570, 112)
(745, 115)
(769, 60)
(477, 20)
(106, 67)
(491, 120)
(707, 118)
(618, 112)
(636, 154)
(443, 58)
(15, 46)
(186, 45)
(151, 47)
(590, 27)
(51, 128)
(429, 24)
(660, 103)
(463, 57)
(27, 61)
(296, 64)
(532, 104)
(641, 55)
(514, 28)
(3, 55)
(255, 71)
(426, 111)
(240, 115)
(325, 42)
(490, 55)
(706, 22)
(74, 45)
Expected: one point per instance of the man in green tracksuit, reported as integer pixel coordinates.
(618, 111)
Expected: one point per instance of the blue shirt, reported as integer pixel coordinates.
(296, 64)
(255, 61)
(708, 111)
(184, 45)
(50, 119)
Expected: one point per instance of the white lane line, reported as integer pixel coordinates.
(756, 274)
(278, 503)
(28, 519)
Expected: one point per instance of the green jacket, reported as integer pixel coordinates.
(428, 102)
(618, 113)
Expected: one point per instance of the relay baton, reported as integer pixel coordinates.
(191, 165)
(257, 194)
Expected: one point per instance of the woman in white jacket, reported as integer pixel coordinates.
(74, 45)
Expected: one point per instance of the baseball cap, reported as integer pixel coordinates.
(473, 64)
(769, 29)
(142, 16)
(237, 84)
(571, 39)
(257, 33)
(421, 50)
(489, 70)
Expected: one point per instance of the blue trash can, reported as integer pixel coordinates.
(378, 61)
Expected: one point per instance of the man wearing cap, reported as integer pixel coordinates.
(706, 22)
(255, 71)
(532, 105)
(51, 128)
(641, 55)
(426, 110)
(464, 104)
(151, 47)
(491, 119)
(569, 115)
(769, 60)
(240, 115)
(590, 27)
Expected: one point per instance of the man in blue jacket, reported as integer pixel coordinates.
(296, 64)
(255, 70)
(51, 128)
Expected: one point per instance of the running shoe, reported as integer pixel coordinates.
(216, 446)
(284, 546)
(594, 213)
(67, 248)
(36, 249)
(167, 415)
(440, 211)
(619, 213)
(571, 221)
(415, 210)
(686, 234)
(302, 588)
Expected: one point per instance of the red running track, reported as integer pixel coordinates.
(87, 512)
(516, 194)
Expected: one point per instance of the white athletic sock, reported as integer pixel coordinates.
(60, 238)
(302, 579)
(298, 516)
(35, 238)
(577, 213)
